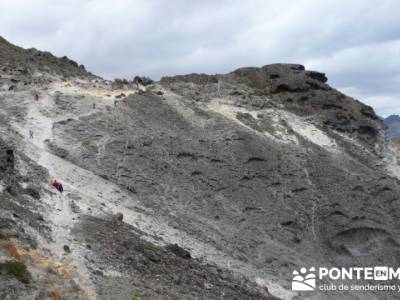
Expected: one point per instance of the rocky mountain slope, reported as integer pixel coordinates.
(194, 187)
(393, 126)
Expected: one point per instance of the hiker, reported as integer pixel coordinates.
(94, 105)
(116, 102)
(57, 185)
(36, 97)
(61, 188)
(30, 134)
(138, 81)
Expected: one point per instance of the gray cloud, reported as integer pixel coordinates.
(357, 43)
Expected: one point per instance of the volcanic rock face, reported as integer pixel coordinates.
(198, 186)
(289, 86)
(18, 61)
(393, 126)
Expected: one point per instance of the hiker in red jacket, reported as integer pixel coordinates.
(57, 185)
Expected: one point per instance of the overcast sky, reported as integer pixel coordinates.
(356, 43)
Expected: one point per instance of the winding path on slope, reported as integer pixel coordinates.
(96, 196)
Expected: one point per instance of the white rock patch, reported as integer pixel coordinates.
(279, 117)
(312, 133)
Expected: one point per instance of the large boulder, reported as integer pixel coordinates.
(143, 80)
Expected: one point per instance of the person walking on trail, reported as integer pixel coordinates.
(30, 134)
(94, 105)
(36, 97)
(57, 185)
(116, 102)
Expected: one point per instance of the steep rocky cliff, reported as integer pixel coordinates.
(393, 126)
(194, 187)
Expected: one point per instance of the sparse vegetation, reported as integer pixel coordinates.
(151, 247)
(279, 158)
(12, 250)
(89, 232)
(136, 296)
(16, 268)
